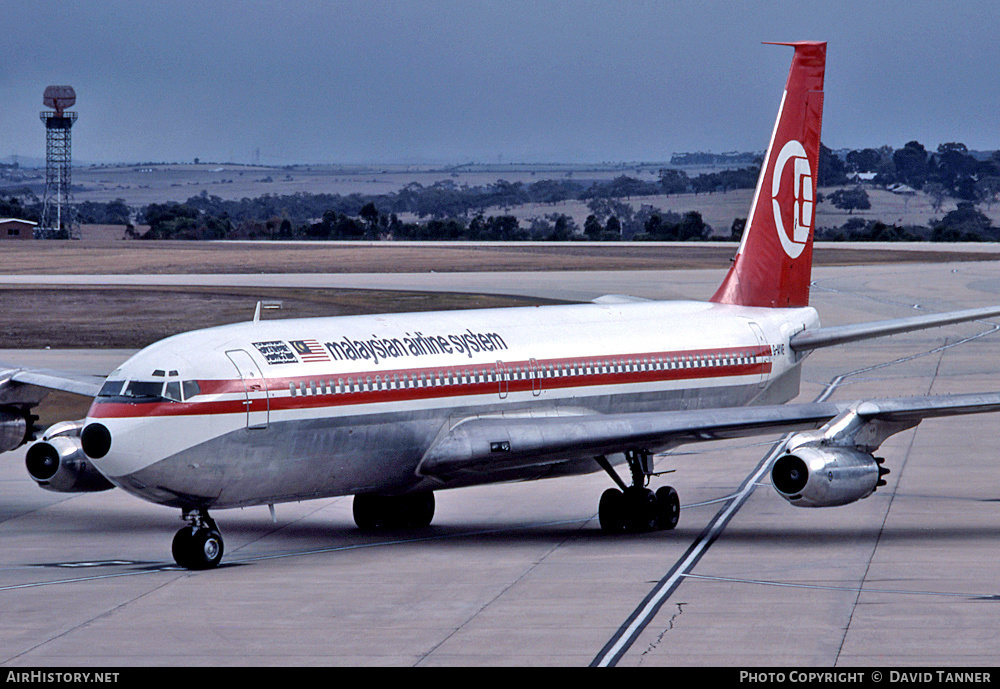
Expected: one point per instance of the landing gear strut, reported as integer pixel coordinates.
(636, 508)
(199, 544)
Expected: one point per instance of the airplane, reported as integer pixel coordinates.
(393, 408)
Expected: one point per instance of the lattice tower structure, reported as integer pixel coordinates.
(58, 214)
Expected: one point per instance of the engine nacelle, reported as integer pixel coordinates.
(14, 430)
(59, 464)
(812, 476)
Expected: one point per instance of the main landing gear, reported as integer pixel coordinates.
(199, 544)
(636, 508)
(408, 511)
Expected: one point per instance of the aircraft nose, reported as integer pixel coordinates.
(95, 440)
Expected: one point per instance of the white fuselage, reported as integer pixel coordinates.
(273, 411)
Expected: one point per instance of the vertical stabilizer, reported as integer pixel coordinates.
(773, 264)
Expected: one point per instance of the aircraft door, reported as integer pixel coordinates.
(254, 386)
(503, 378)
(535, 372)
(762, 341)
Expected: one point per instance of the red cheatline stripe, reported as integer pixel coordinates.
(581, 381)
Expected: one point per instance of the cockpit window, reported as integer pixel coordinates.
(191, 389)
(150, 390)
(139, 388)
(111, 388)
(172, 391)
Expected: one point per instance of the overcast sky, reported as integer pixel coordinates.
(376, 81)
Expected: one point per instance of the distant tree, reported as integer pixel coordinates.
(936, 192)
(987, 190)
(13, 208)
(674, 181)
(832, 171)
(736, 229)
(613, 230)
(965, 223)
(563, 228)
(592, 227)
(369, 213)
(859, 230)
(865, 160)
(850, 199)
(603, 208)
(671, 227)
(911, 163)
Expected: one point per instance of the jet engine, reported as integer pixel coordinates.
(15, 428)
(814, 476)
(58, 463)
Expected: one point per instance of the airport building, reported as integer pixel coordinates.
(14, 228)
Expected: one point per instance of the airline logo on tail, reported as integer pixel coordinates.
(773, 264)
(793, 155)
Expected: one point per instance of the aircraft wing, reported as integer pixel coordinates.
(14, 380)
(486, 444)
(841, 334)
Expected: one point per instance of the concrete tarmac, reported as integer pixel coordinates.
(521, 574)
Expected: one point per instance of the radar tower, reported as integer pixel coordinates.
(58, 217)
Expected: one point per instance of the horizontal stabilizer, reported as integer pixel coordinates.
(618, 299)
(842, 334)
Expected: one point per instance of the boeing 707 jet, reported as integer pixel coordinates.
(394, 408)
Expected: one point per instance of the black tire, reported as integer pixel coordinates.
(366, 512)
(668, 508)
(197, 548)
(181, 547)
(411, 511)
(640, 510)
(418, 510)
(611, 511)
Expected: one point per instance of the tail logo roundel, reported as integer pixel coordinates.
(798, 192)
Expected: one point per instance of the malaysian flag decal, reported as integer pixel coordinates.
(309, 350)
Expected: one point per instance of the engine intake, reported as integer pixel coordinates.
(59, 464)
(812, 476)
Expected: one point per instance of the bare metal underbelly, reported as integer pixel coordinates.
(328, 456)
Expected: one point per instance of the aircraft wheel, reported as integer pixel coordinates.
(411, 511)
(419, 510)
(611, 511)
(668, 508)
(367, 514)
(640, 510)
(197, 548)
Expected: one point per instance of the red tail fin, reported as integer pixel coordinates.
(774, 261)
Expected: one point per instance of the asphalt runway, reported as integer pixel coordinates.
(521, 574)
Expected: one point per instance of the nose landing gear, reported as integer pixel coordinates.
(635, 508)
(198, 545)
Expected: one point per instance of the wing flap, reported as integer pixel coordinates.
(915, 409)
(494, 444)
(842, 334)
(489, 444)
